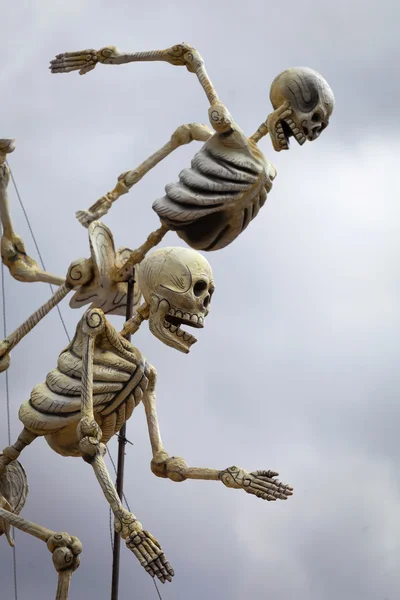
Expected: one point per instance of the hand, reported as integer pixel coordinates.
(83, 60)
(144, 546)
(259, 483)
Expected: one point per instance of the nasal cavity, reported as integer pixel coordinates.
(206, 301)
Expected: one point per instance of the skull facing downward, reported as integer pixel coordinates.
(177, 284)
(310, 101)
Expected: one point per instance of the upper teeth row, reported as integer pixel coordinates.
(281, 137)
(187, 316)
(298, 134)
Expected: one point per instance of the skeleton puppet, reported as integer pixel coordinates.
(229, 178)
(227, 184)
(100, 379)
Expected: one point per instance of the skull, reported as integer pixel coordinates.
(310, 100)
(177, 284)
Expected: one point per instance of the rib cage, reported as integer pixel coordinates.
(215, 200)
(120, 377)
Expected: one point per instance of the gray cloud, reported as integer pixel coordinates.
(296, 369)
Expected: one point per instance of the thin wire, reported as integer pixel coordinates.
(37, 248)
(115, 471)
(8, 415)
(111, 529)
(158, 591)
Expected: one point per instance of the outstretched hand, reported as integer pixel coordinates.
(259, 483)
(82, 60)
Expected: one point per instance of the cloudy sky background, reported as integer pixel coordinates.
(297, 367)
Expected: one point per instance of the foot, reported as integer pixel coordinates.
(95, 212)
(85, 217)
(144, 546)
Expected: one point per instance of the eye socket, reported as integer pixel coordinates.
(199, 287)
(316, 117)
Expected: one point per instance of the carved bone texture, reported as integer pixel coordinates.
(102, 291)
(120, 377)
(14, 487)
(215, 200)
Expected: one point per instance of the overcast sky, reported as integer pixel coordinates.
(297, 367)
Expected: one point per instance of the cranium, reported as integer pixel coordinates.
(177, 284)
(310, 100)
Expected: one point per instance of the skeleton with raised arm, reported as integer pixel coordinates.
(229, 178)
(101, 378)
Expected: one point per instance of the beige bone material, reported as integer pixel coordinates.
(183, 135)
(21, 266)
(65, 549)
(229, 179)
(100, 281)
(261, 484)
(101, 377)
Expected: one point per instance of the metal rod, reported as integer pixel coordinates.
(122, 441)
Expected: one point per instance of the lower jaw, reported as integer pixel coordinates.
(172, 340)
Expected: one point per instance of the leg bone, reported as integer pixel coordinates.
(146, 549)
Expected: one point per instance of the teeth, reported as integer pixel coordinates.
(172, 311)
(180, 333)
(179, 314)
(194, 319)
(174, 328)
(186, 316)
(187, 337)
(167, 325)
(201, 320)
(299, 135)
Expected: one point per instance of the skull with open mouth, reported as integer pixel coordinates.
(177, 284)
(305, 101)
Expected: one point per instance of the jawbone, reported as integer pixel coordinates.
(170, 335)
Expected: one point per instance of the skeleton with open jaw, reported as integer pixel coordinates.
(177, 284)
(303, 104)
(229, 178)
(101, 378)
